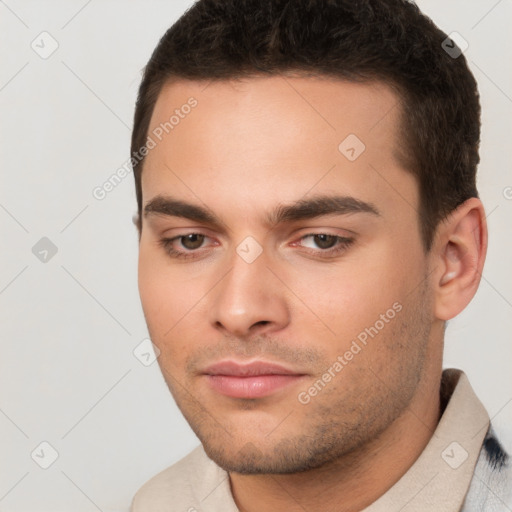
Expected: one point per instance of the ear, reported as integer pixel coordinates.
(459, 253)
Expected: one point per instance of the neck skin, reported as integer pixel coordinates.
(360, 478)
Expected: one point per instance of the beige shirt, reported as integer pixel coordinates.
(437, 481)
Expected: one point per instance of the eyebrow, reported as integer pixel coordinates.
(301, 209)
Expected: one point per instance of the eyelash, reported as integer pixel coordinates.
(343, 244)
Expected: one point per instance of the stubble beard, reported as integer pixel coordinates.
(334, 428)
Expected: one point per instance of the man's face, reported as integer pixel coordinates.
(348, 318)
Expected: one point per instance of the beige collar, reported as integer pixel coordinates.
(440, 477)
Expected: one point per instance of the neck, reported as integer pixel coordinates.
(358, 479)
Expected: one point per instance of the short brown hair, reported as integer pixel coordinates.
(355, 40)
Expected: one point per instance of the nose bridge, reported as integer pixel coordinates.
(249, 293)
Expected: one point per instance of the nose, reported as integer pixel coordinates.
(249, 300)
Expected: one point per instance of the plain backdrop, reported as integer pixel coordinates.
(70, 311)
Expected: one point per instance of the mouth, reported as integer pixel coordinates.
(253, 380)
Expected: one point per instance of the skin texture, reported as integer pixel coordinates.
(247, 147)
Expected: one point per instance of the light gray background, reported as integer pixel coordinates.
(68, 375)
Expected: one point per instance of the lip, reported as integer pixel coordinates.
(251, 380)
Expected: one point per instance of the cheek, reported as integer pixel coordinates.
(351, 296)
(162, 311)
(159, 295)
(172, 305)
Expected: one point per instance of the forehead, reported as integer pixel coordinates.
(275, 138)
(329, 104)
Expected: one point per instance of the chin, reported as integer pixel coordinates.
(286, 457)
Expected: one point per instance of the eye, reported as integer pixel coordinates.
(329, 244)
(191, 242)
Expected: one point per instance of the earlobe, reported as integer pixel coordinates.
(460, 254)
